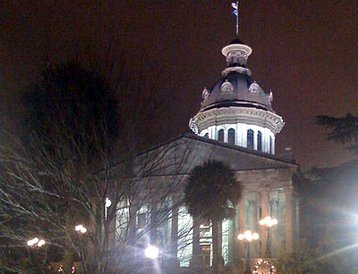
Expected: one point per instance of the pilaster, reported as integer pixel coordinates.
(289, 217)
(242, 225)
(265, 207)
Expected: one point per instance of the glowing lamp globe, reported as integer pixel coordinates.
(151, 252)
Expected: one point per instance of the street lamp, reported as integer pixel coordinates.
(268, 222)
(107, 204)
(151, 252)
(81, 229)
(36, 242)
(247, 237)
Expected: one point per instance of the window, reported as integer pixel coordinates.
(205, 253)
(206, 135)
(231, 136)
(250, 139)
(259, 141)
(221, 135)
(142, 215)
(142, 219)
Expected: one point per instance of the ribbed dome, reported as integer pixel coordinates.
(236, 89)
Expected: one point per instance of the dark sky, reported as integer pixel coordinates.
(304, 51)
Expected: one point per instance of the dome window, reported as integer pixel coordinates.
(250, 139)
(254, 88)
(259, 141)
(221, 135)
(205, 94)
(227, 87)
(231, 136)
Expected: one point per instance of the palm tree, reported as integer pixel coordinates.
(208, 190)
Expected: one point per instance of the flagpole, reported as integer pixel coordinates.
(237, 18)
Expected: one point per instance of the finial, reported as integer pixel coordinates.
(236, 13)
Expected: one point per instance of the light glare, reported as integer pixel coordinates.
(151, 252)
(80, 228)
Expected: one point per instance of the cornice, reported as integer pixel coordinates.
(233, 115)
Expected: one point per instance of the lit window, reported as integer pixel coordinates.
(259, 141)
(250, 139)
(142, 220)
(231, 136)
(221, 135)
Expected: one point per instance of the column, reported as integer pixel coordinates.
(233, 232)
(242, 225)
(174, 238)
(289, 217)
(265, 207)
(196, 258)
(234, 260)
(133, 208)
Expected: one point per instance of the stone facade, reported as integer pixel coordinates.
(268, 190)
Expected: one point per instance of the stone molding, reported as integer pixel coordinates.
(233, 115)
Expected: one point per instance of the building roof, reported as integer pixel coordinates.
(195, 149)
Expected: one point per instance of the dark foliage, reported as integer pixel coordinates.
(344, 129)
(209, 188)
(74, 105)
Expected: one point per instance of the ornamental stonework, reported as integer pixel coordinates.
(227, 87)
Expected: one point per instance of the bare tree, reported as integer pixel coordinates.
(62, 173)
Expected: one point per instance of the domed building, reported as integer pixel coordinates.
(237, 125)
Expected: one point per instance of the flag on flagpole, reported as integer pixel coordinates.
(236, 9)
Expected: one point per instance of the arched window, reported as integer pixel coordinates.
(250, 139)
(259, 141)
(221, 135)
(271, 147)
(231, 136)
(206, 135)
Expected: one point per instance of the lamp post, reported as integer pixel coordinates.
(107, 204)
(268, 222)
(36, 242)
(80, 229)
(152, 252)
(247, 237)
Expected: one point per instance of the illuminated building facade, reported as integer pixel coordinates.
(236, 125)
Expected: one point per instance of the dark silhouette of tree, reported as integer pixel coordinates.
(75, 105)
(344, 129)
(209, 189)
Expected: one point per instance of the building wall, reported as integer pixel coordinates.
(267, 191)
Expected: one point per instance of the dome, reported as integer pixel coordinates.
(236, 109)
(237, 88)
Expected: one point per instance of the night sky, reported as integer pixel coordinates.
(305, 52)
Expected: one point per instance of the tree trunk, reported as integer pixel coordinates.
(217, 246)
(196, 258)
